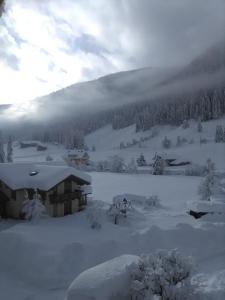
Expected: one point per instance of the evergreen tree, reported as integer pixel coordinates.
(2, 152)
(158, 166)
(9, 150)
(166, 143)
(219, 134)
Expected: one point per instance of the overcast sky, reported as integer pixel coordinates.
(46, 45)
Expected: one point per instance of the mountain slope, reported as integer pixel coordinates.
(204, 72)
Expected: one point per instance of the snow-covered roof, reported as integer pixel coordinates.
(43, 177)
(168, 156)
(77, 153)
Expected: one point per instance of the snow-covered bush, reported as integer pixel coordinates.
(141, 161)
(119, 208)
(165, 275)
(185, 124)
(131, 167)
(166, 143)
(206, 187)
(116, 164)
(195, 170)
(33, 209)
(145, 202)
(103, 166)
(152, 201)
(203, 141)
(49, 158)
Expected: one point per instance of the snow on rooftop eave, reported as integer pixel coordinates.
(42, 180)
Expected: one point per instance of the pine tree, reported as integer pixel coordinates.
(2, 152)
(219, 134)
(9, 150)
(166, 143)
(158, 166)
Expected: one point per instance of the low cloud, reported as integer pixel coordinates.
(48, 45)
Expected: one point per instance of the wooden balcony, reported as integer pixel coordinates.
(65, 197)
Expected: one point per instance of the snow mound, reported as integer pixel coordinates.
(103, 281)
(137, 200)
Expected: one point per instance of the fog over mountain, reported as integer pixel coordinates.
(148, 84)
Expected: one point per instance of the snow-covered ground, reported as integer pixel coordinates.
(40, 260)
(107, 142)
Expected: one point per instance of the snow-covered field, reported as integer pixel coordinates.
(38, 261)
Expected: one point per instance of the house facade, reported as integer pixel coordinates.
(63, 189)
(78, 157)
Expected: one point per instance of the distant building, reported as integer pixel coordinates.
(41, 147)
(28, 144)
(63, 189)
(78, 157)
(172, 160)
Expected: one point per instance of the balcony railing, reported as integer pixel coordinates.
(65, 197)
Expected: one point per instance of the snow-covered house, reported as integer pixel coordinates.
(172, 159)
(78, 157)
(63, 189)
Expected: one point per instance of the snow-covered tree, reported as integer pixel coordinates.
(116, 164)
(206, 188)
(119, 208)
(86, 157)
(158, 166)
(166, 143)
(203, 141)
(165, 275)
(33, 209)
(141, 161)
(199, 126)
(219, 134)
(179, 141)
(185, 124)
(9, 150)
(49, 158)
(132, 166)
(210, 167)
(2, 152)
